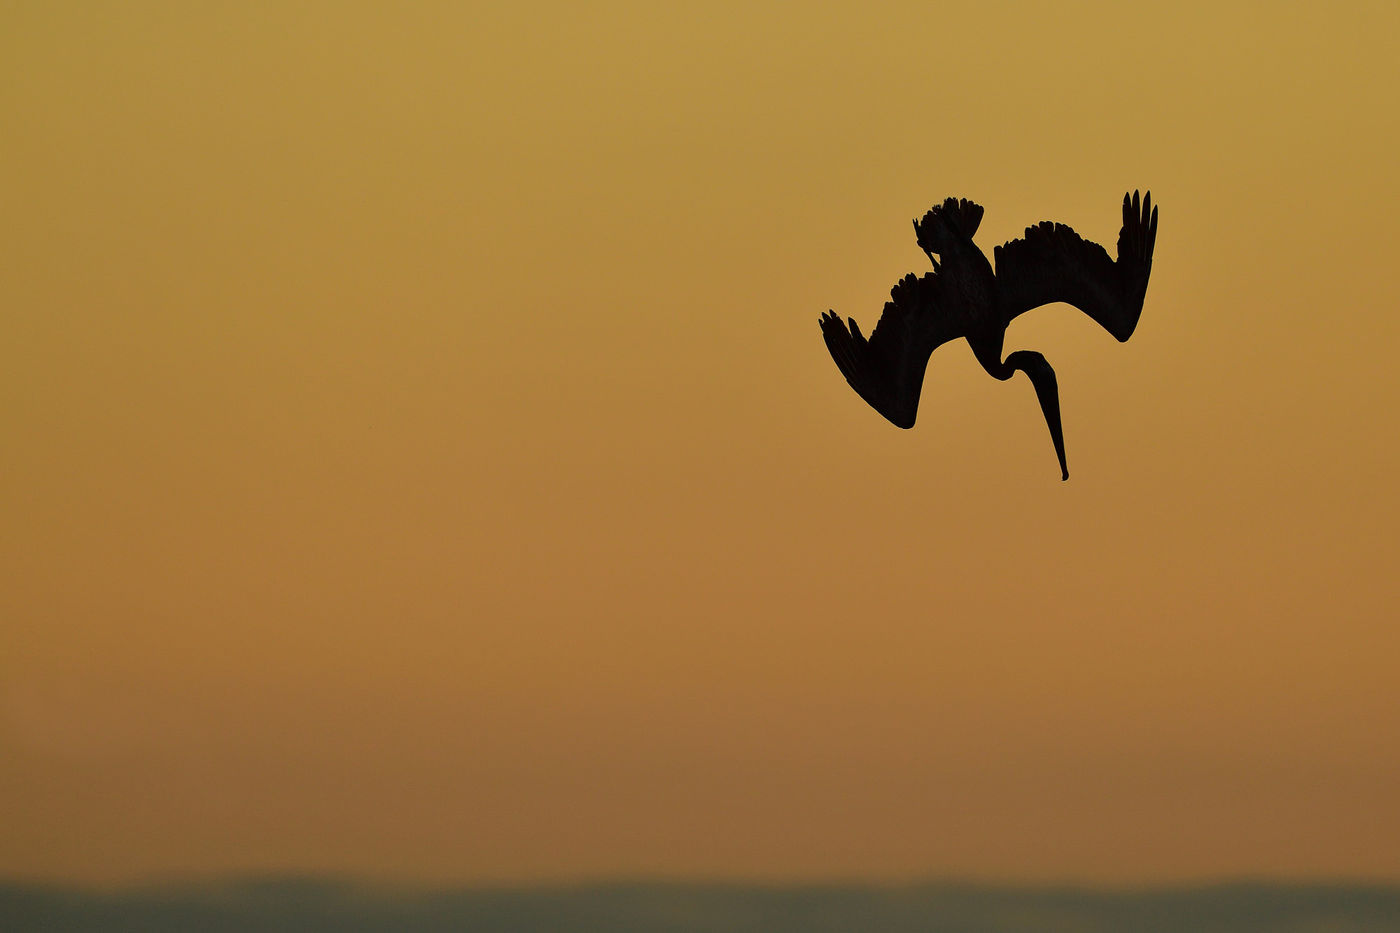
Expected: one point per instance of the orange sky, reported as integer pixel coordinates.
(420, 457)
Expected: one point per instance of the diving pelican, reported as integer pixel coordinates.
(964, 297)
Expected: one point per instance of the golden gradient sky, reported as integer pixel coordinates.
(419, 457)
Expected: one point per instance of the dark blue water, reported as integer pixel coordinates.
(311, 905)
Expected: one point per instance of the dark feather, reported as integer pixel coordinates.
(1053, 263)
(887, 370)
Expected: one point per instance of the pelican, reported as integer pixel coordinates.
(964, 297)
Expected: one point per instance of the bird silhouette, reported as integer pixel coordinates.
(964, 297)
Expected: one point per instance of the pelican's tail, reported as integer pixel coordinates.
(961, 217)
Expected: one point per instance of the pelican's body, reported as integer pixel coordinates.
(965, 297)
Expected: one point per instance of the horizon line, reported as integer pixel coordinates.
(253, 879)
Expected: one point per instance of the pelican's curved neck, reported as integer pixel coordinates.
(1047, 390)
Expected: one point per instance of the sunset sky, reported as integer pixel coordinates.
(419, 458)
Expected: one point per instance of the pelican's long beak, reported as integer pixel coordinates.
(1047, 390)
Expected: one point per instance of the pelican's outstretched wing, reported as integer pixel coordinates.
(888, 369)
(1053, 263)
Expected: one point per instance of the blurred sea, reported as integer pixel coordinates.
(321, 905)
